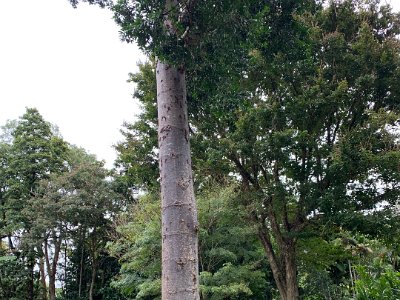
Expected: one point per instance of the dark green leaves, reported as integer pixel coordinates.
(101, 3)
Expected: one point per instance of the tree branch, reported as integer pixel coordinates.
(243, 172)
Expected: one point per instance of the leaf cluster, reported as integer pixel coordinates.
(231, 262)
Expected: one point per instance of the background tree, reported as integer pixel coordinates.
(137, 161)
(56, 201)
(75, 209)
(35, 153)
(317, 167)
(13, 274)
(5, 152)
(299, 173)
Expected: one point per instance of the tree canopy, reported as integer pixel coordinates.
(293, 119)
(307, 124)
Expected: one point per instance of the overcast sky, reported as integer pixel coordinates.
(70, 65)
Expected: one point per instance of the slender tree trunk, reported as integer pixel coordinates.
(93, 278)
(30, 263)
(273, 260)
(43, 278)
(52, 278)
(291, 271)
(179, 214)
(94, 263)
(11, 244)
(65, 268)
(283, 265)
(57, 250)
(52, 265)
(351, 279)
(52, 286)
(81, 270)
(9, 237)
(31, 278)
(94, 268)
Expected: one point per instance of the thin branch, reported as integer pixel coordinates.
(243, 172)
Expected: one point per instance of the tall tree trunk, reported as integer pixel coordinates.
(57, 250)
(11, 244)
(93, 279)
(65, 268)
(179, 213)
(276, 268)
(43, 278)
(81, 271)
(292, 289)
(52, 265)
(283, 265)
(94, 263)
(52, 286)
(31, 277)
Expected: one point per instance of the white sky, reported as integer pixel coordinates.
(70, 65)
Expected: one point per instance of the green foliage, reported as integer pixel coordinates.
(101, 3)
(4, 157)
(137, 160)
(230, 282)
(78, 206)
(319, 285)
(296, 100)
(377, 282)
(231, 261)
(320, 254)
(53, 198)
(30, 153)
(35, 153)
(197, 33)
(12, 277)
(7, 130)
(347, 267)
(138, 248)
(79, 197)
(323, 267)
(232, 265)
(77, 279)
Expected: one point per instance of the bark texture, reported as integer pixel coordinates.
(31, 278)
(52, 264)
(282, 262)
(43, 279)
(179, 214)
(93, 280)
(276, 230)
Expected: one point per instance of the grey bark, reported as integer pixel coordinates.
(43, 278)
(92, 280)
(179, 213)
(291, 271)
(282, 259)
(52, 265)
(283, 267)
(81, 270)
(94, 263)
(31, 278)
(11, 244)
